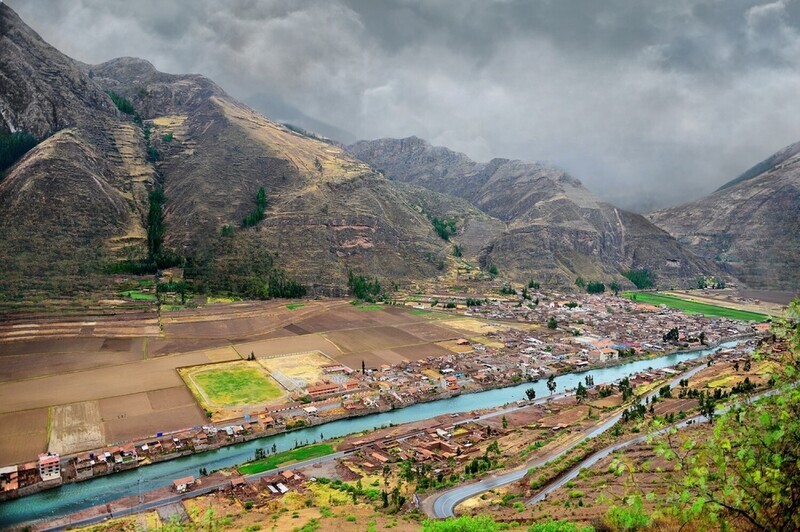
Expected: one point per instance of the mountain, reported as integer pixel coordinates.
(750, 226)
(83, 201)
(77, 196)
(555, 229)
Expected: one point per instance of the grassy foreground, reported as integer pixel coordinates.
(295, 455)
(694, 307)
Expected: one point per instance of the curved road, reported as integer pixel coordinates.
(599, 455)
(442, 505)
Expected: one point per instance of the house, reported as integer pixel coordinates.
(322, 389)
(288, 475)
(182, 484)
(49, 466)
(238, 482)
(9, 478)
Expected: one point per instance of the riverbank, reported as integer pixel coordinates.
(74, 497)
(198, 440)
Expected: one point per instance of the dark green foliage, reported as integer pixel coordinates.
(552, 323)
(226, 230)
(167, 137)
(642, 278)
(444, 228)
(152, 153)
(363, 287)
(595, 287)
(470, 302)
(155, 223)
(533, 284)
(671, 336)
(13, 147)
(457, 251)
(280, 285)
(506, 289)
(580, 282)
(493, 271)
(258, 213)
(122, 103)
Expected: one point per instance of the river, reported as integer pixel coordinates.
(73, 497)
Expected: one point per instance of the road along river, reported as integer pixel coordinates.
(73, 497)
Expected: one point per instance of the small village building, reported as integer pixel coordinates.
(49, 466)
(182, 484)
(322, 389)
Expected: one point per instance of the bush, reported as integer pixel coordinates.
(122, 103)
(595, 287)
(642, 278)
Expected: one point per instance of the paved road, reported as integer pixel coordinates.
(442, 504)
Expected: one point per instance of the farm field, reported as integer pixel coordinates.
(694, 307)
(231, 384)
(123, 368)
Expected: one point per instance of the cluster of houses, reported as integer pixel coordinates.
(22, 479)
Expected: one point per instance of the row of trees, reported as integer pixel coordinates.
(13, 146)
(257, 214)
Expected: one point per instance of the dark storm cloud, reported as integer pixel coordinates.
(648, 103)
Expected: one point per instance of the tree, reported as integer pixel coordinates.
(614, 286)
(595, 287)
(551, 384)
(457, 250)
(505, 422)
(581, 393)
(363, 368)
(552, 323)
(580, 282)
(531, 394)
(747, 469)
(673, 335)
(642, 278)
(747, 365)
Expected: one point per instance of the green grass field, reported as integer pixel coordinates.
(295, 455)
(693, 307)
(138, 296)
(295, 306)
(236, 386)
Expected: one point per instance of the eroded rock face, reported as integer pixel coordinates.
(750, 226)
(43, 90)
(555, 228)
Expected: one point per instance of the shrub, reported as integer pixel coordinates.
(122, 103)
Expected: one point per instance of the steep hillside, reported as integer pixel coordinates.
(78, 205)
(77, 199)
(750, 226)
(555, 228)
(325, 212)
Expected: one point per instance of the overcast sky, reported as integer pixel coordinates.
(648, 103)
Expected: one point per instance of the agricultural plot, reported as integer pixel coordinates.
(76, 427)
(148, 413)
(371, 338)
(231, 384)
(297, 370)
(694, 307)
(24, 435)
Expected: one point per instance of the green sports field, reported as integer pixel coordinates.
(295, 455)
(693, 307)
(234, 384)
